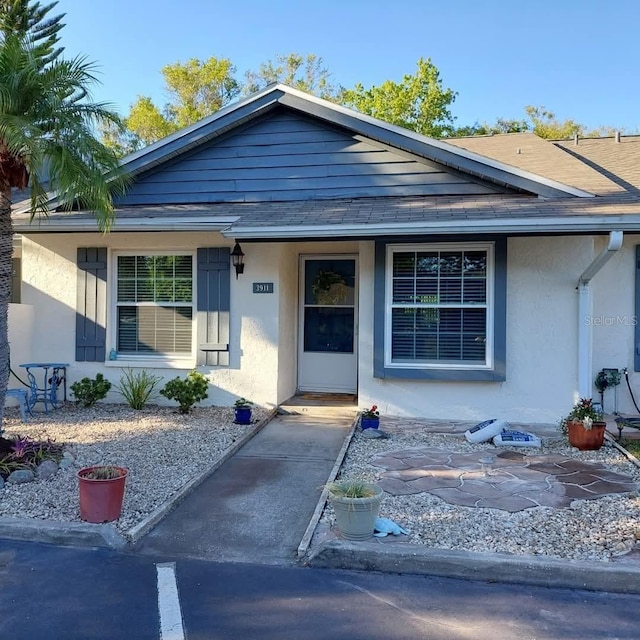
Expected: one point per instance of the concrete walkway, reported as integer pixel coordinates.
(256, 507)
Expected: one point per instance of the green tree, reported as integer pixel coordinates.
(545, 124)
(501, 125)
(26, 19)
(419, 102)
(47, 126)
(304, 72)
(115, 136)
(196, 89)
(540, 121)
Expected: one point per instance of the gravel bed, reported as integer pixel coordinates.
(162, 449)
(598, 529)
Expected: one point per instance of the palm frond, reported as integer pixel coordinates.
(48, 123)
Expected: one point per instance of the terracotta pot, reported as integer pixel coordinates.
(586, 439)
(369, 423)
(101, 500)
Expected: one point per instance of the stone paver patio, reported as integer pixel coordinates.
(513, 482)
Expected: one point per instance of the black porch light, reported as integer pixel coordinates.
(237, 259)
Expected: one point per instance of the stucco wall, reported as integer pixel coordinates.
(541, 324)
(613, 321)
(49, 274)
(21, 320)
(541, 343)
(288, 300)
(263, 331)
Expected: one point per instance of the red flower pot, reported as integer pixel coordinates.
(101, 500)
(586, 439)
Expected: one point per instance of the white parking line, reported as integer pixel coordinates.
(171, 627)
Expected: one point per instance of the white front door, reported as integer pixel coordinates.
(327, 358)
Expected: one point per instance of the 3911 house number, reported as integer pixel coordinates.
(263, 287)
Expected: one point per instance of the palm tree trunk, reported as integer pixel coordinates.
(6, 251)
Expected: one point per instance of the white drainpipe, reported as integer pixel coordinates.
(585, 385)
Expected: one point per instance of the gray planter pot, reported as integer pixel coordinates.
(355, 517)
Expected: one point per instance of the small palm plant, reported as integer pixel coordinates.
(48, 143)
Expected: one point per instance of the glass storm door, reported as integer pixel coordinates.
(328, 303)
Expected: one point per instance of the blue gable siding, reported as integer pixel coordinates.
(291, 157)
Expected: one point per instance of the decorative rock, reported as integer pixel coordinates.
(21, 476)
(374, 433)
(1, 482)
(66, 463)
(46, 469)
(622, 548)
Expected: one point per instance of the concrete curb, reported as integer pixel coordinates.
(622, 450)
(62, 533)
(107, 535)
(495, 567)
(303, 547)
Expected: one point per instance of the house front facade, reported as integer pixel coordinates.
(423, 276)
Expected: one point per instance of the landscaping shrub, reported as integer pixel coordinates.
(137, 387)
(87, 392)
(186, 391)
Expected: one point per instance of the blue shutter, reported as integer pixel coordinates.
(91, 307)
(214, 297)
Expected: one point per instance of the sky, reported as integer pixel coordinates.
(578, 58)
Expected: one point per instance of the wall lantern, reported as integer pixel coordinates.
(237, 259)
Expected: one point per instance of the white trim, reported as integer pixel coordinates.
(201, 223)
(585, 310)
(553, 224)
(302, 260)
(489, 305)
(181, 361)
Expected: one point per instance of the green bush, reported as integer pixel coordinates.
(186, 392)
(137, 387)
(87, 392)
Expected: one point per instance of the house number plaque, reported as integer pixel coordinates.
(263, 287)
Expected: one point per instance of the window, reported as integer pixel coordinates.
(154, 305)
(436, 310)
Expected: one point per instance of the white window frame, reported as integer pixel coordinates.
(489, 247)
(148, 360)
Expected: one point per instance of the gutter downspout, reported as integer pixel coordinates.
(585, 351)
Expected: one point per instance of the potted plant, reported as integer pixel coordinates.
(101, 492)
(370, 418)
(585, 426)
(242, 409)
(356, 505)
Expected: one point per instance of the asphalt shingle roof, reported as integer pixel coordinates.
(563, 172)
(532, 153)
(361, 211)
(619, 161)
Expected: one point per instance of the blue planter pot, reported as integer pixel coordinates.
(369, 423)
(243, 415)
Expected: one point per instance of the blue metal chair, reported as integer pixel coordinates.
(21, 395)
